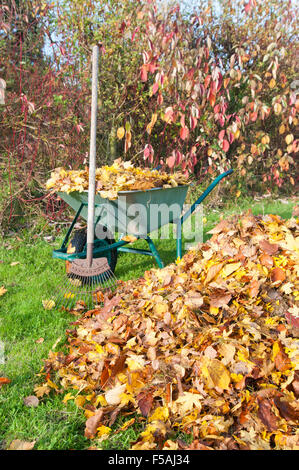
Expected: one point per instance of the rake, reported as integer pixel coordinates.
(88, 279)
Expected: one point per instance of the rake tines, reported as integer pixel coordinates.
(82, 291)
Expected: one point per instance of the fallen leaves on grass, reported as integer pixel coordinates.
(31, 401)
(93, 423)
(4, 381)
(48, 304)
(110, 180)
(2, 290)
(14, 263)
(18, 444)
(206, 345)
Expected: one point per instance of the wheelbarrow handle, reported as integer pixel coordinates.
(205, 194)
(158, 167)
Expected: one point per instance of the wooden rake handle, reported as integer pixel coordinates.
(92, 154)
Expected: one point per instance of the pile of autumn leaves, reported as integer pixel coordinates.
(202, 346)
(121, 176)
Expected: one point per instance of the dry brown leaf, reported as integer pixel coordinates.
(268, 248)
(212, 272)
(220, 299)
(106, 311)
(217, 373)
(194, 300)
(228, 269)
(288, 409)
(31, 401)
(278, 275)
(93, 423)
(254, 288)
(18, 444)
(145, 402)
(4, 381)
(266, 260)
(267, 416)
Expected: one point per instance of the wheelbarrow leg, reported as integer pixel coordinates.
(66, 238)
(190, 211)
(155, 252)
(179, 239)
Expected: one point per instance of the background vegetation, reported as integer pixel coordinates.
(198, 87)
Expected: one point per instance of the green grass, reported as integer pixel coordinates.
(53, 424)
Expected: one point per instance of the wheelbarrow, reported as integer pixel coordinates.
(156, 207)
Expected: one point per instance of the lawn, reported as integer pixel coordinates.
(28, 332)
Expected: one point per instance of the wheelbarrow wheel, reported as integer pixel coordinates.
(78, 242)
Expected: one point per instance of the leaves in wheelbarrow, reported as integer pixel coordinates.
(207, 346)
(121, 176)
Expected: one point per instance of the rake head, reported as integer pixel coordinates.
(86, 284)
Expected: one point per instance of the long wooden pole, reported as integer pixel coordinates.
(92, 154)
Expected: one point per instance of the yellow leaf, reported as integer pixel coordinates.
(144, 445)
(129, 238)
(160, 414)
(289, 139)
(71, 249)
(68, 295)
(282, 129)
(127, 424)
(287, 288)
(2, 290)
(272, 83)
(120, 132)
(214, 310)
(135, 362)
(80, 400)
(41, 390)
(101, 400)
(127, 398)
(275, 350)
(88, 413)
(75, 282)
(48, 304)
(186, 403)
(103, 430)
(17, 444)
(160, 309)
(112, 348)
(52, 385)
(154, 119)
(228, 269)
(217, 374)
(150, 126)
(68, 397)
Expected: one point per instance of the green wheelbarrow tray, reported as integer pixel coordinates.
(136, 213)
